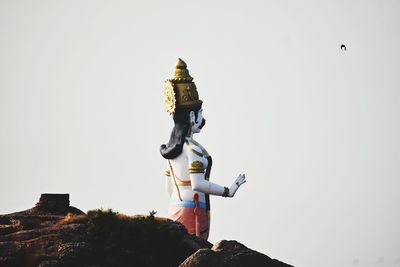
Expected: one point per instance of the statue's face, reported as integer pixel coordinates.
(199, 123)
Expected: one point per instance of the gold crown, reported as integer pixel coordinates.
(180, 91)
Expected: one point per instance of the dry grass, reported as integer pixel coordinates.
(73, 218)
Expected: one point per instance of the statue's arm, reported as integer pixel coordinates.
(197, 172)
(201, 185)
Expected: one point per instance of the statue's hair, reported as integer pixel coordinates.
(181, 128)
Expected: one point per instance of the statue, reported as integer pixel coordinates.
(188, 162)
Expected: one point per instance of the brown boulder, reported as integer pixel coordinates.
(230, 253)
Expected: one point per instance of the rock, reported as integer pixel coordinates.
(54, 234)
(230, 253)
(50, 263)
(53, 202)
(33, 237)
(71, 252)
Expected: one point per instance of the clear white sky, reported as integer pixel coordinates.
(315, 129)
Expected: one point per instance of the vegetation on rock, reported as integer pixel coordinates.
(120, 240)
(54, 234)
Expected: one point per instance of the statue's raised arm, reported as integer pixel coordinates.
(188, 162)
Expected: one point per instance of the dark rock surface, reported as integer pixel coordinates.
(53, 202)
(34, 237)
(230, 253)
(54, 234)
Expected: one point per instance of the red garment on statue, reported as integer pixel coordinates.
(190, 217)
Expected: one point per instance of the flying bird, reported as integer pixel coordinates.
(343, 47)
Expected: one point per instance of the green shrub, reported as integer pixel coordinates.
(120, 240)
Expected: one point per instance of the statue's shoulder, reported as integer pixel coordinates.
(195, 148)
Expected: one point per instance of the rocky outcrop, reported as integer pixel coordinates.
(54, 234)
(53, 203)
(232, 254)
(37, 236)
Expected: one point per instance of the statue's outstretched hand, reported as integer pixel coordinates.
(238, 182)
